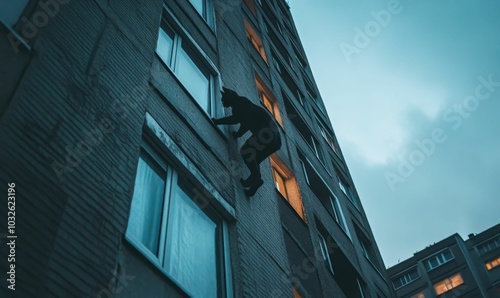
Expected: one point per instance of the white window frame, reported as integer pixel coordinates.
(200, 59)
(324, 252)
(346, 189)
(213, 197)
(440, 258)
(171, 185)
(406, 278)
(339, 214)
(208, 12)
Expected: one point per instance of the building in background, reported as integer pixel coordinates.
(452, 268)
(126, 188)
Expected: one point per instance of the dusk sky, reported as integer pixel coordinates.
(414, 100)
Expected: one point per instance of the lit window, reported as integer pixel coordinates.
(488, 245)
(419, 295)
(11, 10)
(187, 66)
(255, 40)
(492, 264)
(406, 278)
(251, 5)
(297, 293)
(268, 100)
(448, 284)
(438, 259)
(204, 8)
(286, 184)
(173, 231)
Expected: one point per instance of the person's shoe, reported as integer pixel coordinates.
(253, 188)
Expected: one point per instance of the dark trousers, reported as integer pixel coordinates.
(257, 148)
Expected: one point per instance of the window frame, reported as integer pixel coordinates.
(264, 91)
(293, 197)
(324, 252)
(405, 277)
(208, 14)
(437, 256)
(449, 282)
(488, 245)
(493, 263)
(256, 41)
(222, 249)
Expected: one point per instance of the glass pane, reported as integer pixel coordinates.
(147, 205)
(165, 44)
(199, 5)
(194, 78)
(191, 257)
(11, 10)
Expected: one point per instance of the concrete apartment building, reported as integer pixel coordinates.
(452, 268)
(123, 185)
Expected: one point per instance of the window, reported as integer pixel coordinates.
(405, 278)
(173, 231)
(327, 136)
(438, 259)
(346, 189)
(286, 184)
(323, 193)
(297, 293)
(188, 67)
(488, 245)
(325, 252)
(448, 284)
(11, 10)
(303, 129)
(255, 40)
(419, 295)
(204, 8)
(368, 249)
(492, 264)
(268, 99)
(251, 5)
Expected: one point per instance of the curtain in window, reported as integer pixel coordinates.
(147, 205)
(191, 247)
(11, 10)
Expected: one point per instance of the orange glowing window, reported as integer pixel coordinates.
(492, 264)
(268, 99)
(297, 293)
(448, 284)
(286, 184)
(251, 5)
(419, 295)
(254, 38)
